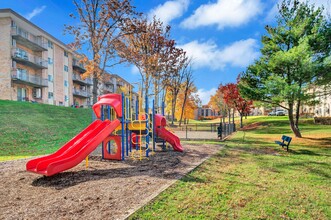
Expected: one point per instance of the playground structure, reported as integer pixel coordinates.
(121, 133)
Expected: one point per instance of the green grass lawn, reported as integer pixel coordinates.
(28, 129)
(253, 178)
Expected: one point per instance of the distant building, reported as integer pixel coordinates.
(113, 83)
(204, 111)
(323, 108)
(258, 111)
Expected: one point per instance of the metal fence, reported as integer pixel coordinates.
(205, 131)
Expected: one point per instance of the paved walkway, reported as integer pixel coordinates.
(203, 135)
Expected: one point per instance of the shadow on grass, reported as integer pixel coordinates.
(194, 179)
(305, 152)
(309, 166)
(322, 142)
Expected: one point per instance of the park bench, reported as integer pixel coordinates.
(286, 140)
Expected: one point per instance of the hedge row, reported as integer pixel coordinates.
(322, 120)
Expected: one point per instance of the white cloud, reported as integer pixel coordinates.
(271, 15)
(169, 10)
(35, 12)
(208, 54)
(224, 13)
(134, 70)
(204, 95)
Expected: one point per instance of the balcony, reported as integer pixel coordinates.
(78, 66)
(119, 84)
(108, 89)
(78, 79)
(35, 43)
(109, 83)
(27, 59)
(20, 76)
(81, 93)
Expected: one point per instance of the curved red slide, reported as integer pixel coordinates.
(170, 138)
(166, 135)
(74, 151)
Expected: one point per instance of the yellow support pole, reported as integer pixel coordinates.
(86, 162)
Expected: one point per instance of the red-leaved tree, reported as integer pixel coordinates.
(233, 99)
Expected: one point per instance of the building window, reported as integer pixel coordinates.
(50, 60)
(66, 98)
(50, 95)
(50, 44)
(13, 24)
(36, 92)
(66, 68)
(61, 103)
(66, 53)
(50, 78)
(65, 83)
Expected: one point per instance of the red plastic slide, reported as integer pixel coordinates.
(170, 138)
(160, 123)
(76, 150)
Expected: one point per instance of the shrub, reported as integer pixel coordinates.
(322, 120)
(208, 117)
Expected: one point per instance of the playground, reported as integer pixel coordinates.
(138, 158)
(107, 189)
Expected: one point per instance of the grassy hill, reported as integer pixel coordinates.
(28, 129)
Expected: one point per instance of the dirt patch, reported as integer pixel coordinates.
(266, 150)
(250, 127)
(106, 190)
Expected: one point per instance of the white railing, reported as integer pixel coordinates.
(81, 92)
(75, 62)
(21, 54)
(79, 78)
(24, 76)
(32, 38)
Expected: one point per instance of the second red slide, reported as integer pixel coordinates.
(169, 137)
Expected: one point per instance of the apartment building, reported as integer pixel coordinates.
(82, 87)
(113, 83)
(323, 106)
(204, 111)
(37, 67)
(34, 66)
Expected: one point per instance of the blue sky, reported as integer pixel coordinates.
(221, 36)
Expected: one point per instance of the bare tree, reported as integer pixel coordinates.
(187, 85)
(144, 49)
(175, 69)
(100, 25)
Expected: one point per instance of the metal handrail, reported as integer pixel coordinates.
(34, 39)
(26, 77)
(29, 57)
(81, 92)
(79, 78)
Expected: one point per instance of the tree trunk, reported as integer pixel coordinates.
(229, 115)
(294, 128)
(95, 89)
(183, 106)
(297, 116)
(156, 96)
(233, 116)
(95, 82)
(173, 108)
(241, 120)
